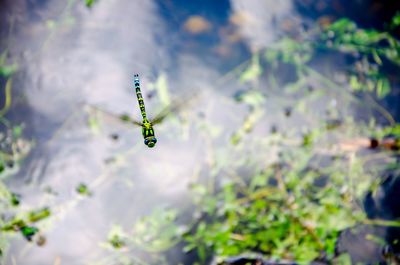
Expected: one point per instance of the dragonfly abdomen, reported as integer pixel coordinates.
(139, 96)
(147, 128)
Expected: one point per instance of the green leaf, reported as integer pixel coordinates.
(93, 123)
(235, 138)
(8, 70)
(116, 242)
(38, 215)
(253, 71)
(125, 118)
(7, 92)
(343, 259)
(396, 20)
(382, 87)
(308, 139)
(366, 37)
(17, 131)
(354, 83)
(252, 97)
(83, 189)
(379, 240)
(29, 231)
(89, 3)
(15, 199)
(376, 57)
(342, 25)
(13, 225)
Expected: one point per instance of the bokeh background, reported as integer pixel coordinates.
(245, 82)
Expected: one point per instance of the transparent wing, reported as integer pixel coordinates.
(164, 113)
(174, 107)
(128, 119)
(122, 118)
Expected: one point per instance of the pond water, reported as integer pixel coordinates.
(73, 59)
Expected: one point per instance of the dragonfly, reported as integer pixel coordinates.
(146, 124)
(147, 127)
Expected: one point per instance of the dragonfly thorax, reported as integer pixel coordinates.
(147, 124)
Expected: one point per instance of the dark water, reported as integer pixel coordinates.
(70, 56)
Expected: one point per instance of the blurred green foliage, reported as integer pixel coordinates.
(280, 212)
(286, 210)
(6, 69)
(289, 209)
(89, 3)
(371, 47)
(395, 21)
(156, 232)
(83, 189)
(150, 235)
(18, 221)
(368, 48)
(13, 149)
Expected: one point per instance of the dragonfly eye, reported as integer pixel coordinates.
(150, 143)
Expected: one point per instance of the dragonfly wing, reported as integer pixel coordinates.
(174, 107)
(126, 118)
(161, 116)
(137, 123)
(121, 118)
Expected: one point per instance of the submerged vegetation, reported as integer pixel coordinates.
(295, 208)
(286, 194)
(14, 147)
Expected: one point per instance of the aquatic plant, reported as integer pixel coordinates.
(290, 207)
(14, 147)
(295, 208)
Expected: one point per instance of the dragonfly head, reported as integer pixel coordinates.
(150, 141)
